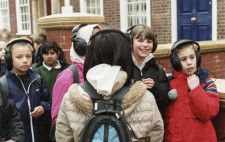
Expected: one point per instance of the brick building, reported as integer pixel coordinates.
(200, 20)
(164, 16)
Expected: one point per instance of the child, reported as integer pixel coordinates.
(27, 89)
(146, 69)
(188, 117)
(108, 68)
(51, 65)
(80, 38)
(2, 59)
(11, 126)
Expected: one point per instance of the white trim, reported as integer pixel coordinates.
(174, 20)
(123, 15)
(214, 19)
(8, 26)
(18, 18)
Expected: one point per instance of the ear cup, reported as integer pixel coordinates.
(80, 46)
(175, 61)
(8, 53)
(8, 59)
(128, 33)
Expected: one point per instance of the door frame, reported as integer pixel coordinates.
(174, 20)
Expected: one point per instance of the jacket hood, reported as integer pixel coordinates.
(106, 79)
(132, 98)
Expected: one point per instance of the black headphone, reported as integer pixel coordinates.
(129, 34)
(79, 44)
(110, 31)
(8, 52)
(175, 61)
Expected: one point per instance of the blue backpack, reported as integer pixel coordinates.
(107, 122)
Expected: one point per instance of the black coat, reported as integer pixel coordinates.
(11, 126)
(161, 87)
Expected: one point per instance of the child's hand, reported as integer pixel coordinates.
(149, 82)
(38, 111)
(193, 81)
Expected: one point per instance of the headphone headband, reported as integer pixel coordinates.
(17, 40)
(180, 43)
(110, 31)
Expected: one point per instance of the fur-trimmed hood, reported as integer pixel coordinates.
(83, 101)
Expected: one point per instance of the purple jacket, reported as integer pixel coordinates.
(61, 86)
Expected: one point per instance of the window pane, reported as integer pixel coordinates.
(137, 13)
(93, 6)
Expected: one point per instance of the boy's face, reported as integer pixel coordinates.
(21, 58)
(50, 58)
(142, 47)
(187, 58)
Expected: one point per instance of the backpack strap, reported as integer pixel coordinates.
(75, 74)
(4, 82)
(119, 95)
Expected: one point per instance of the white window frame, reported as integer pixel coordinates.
(124, 14)
(4, 16)
(83, 7)
(20, 30)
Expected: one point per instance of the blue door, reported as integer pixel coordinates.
(194, 19)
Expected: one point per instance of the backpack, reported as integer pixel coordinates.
(107, 122)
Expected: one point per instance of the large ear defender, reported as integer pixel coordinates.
(8, 52)
(128, 33)
(79, 44)
(175, 61)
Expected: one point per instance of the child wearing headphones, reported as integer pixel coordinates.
(144, 43)
(80, 38)
(188, 117)
(26, 89)
(108, 69)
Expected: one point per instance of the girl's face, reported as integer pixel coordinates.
(21, 58)
(2, 50)
(50, 58)
(187, 58)
(142, 47)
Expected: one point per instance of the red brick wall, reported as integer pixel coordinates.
(12, 5)
(161, 20)
(112, 13)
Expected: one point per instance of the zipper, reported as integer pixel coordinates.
(29, 106)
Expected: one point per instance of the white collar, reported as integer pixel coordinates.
(58, 66)
(147, 58)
